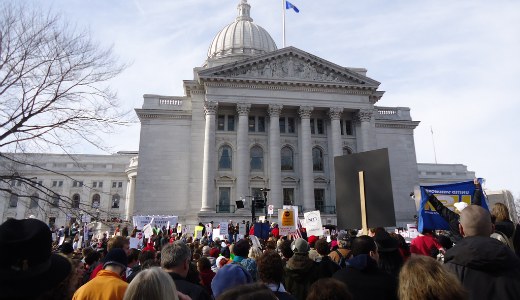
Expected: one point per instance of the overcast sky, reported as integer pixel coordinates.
(454, 63)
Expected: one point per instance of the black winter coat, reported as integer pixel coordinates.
(366, 281)
(300, 273)
(487, 268)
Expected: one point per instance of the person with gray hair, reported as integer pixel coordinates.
(151, 283)
(487, 268)
(176, 260)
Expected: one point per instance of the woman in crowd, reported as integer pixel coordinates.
(423, 277)
(152, 283)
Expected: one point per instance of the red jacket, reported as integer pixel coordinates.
(206, 276)
(424, 244)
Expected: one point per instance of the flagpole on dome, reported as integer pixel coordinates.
(283, 22)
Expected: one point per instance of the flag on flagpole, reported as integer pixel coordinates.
(289, 5)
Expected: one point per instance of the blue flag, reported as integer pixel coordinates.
(289, 5)
(448, 194)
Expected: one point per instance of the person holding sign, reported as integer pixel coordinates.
(453, 217)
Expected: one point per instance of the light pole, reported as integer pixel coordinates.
(243, 198)
(264, 191)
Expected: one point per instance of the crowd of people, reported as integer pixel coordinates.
(479, 263)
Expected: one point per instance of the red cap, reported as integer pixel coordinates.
(312, 239)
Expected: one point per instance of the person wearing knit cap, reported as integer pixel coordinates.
(300, 270)
(229, 276)
(108, 283)
(313, 254)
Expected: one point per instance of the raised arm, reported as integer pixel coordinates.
(477, 195)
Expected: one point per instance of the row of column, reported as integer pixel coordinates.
(275, 176)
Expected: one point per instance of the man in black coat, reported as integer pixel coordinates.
(487, 268)
(363, 277)
(175, 259)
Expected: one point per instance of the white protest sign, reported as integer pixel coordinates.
(216, 234)
(313, 223)
(134, 242)
(270, 209)
(242, 229)
(148, 231)
(80, 241)
(412, 231)
(62, 239)
(224, 228)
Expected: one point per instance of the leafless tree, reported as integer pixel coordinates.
(54, 89)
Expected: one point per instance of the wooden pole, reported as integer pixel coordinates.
(363, 203)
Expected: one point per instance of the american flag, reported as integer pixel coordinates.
(298, 233)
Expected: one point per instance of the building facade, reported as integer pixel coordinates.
(257, 117)
(61, 189)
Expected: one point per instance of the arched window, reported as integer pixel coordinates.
(257, 159)
(347, 151)
(96, 201)
(13, 201)
(75, 201)
(225, 155)
(34, 201)
(115, 201)
(317, 159)
(287, 162)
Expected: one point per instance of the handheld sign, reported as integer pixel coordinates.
(313, 223)
(365, 176)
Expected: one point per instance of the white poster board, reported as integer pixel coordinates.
(313, 223)
(216, 234)
(134, 243)
(224, 228)
(242, 229)
(270, 209)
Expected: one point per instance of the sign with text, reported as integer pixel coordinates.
(242, 229)
(270, 209)
(313, 223)
(158, 221)
(224, 228)
(379, 201)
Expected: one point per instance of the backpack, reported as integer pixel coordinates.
(504, 239)
(342, 260)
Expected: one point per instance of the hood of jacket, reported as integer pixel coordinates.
(506, 227)
(300, 263)
(482, 253)
(362, 262)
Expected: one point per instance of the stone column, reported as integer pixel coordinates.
(242, 165)
(335, 135)
(275, 173)
(131, 173)
(208, 169)
(307, 176)
(364, 117)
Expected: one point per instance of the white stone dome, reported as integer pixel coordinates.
(240, 39)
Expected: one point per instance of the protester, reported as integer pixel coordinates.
(389, 257)
(228, 277)
(286, 251)
(241, 251)
(426, 244)
(108, 283)
(342, 254)
(453, 217)
(153, 283)
(248, 292)
(503, 224)
(28, 268)
(326, 267)
(363, 277)
(329, 289)
(487, 268)
(117, 242)
(423, 277)
(270, 272)
(313, 254)
(144, 257)
(175, 259)
(300, 270)
(206, 275)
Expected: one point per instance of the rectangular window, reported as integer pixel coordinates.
(40, 182)
(288, 196)
(77, 183)
(60, 183)
(319, 126)
(224, 194)
(54, 183)
(348, 127)
(282, 125)
(230, 123)
(94, 184)
(312, 126)
(251, 124)
(319, 199)
(120, 184)
(290, 125)
(114, 184)
(257, 195)
(100, 184)
(19, 183)
(341, 127)
(261, 124)
(221, 121)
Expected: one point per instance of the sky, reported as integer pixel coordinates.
(454, 63)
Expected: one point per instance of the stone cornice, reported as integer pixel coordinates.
(296, 86)
(162, 114)
(397, 124)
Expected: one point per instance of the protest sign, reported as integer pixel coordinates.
(62, 239)
(159, 221)
(224, 228)
(198, 232)
(216, 234)
(379, 204)
(242, 229)
(134, 242)
(179, 228)
(270, 209)
(148, 231)
(313, 223)
(448, 194)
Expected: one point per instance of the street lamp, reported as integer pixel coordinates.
(243, 198)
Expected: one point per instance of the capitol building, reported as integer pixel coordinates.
(253, 118)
